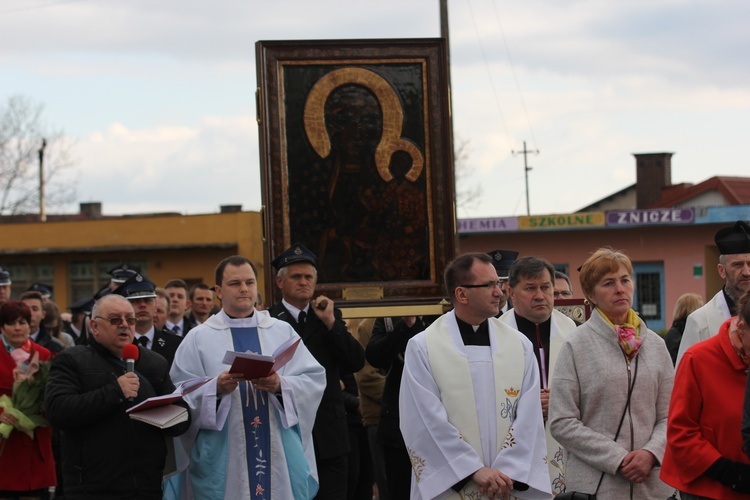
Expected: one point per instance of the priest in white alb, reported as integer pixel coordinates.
(471, 415)
(249, 439)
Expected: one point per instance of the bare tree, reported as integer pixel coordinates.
(22, 132)
(468, 194)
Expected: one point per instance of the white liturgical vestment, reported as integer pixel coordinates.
(467, 407)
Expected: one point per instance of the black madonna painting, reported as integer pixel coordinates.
(357, 162)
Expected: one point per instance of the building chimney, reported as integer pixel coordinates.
(653, 172)
(92, 210)
(230, 209)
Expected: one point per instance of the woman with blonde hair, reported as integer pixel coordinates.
(612, 385)
(686, 304)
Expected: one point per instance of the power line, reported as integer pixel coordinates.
(489, 73)
(513, 70)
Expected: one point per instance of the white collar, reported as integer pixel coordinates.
(295, 312)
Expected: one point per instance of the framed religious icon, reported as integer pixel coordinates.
(579, 310)
(357, 165)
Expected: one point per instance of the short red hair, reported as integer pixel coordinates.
(12, 310)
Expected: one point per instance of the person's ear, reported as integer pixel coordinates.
(217, 290)
(460, 294)
(722, 271)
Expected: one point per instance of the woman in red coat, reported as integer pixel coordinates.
(27, 466)
(704, 457)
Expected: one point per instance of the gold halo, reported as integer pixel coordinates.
(393, 119)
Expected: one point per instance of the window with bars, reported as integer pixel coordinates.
(88, 277)
(24, 275)
(648, 285)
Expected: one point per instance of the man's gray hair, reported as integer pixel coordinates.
(105, 300)
(562, 276)
(283, 271)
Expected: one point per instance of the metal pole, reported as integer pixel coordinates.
(42, 212)
(526, 169)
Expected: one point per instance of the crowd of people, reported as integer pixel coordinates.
(501, 397)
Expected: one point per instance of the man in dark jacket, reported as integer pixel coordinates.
(385, 350)
(106, 455)
(326, 337)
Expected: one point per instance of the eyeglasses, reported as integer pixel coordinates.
(563, 294)
(117, 320)
(489, 285)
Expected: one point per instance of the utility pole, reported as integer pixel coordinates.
(445, 33)
(42, 211)
(526, 169)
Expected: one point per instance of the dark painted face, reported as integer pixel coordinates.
(354, 122)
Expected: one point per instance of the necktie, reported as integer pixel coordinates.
(143, 341)
(176, 329)
(301, 321)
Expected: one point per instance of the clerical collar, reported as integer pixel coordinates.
(730, 303)
(246, 322)
(524, 325)
(471, 336)
(294, 310)
(234, 317)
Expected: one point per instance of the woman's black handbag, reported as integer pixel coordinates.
(575, 495)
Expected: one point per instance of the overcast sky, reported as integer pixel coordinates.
(159, 95)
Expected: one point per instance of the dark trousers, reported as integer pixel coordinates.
(397, 472)
(332, 473)
(360, 481)
(378, 462)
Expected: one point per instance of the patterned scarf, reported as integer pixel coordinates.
(736, 338)
(628, 334)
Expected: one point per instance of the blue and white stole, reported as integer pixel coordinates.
(256, 418)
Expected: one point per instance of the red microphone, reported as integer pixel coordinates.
(130, 354)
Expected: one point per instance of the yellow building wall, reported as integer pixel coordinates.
(187, 247)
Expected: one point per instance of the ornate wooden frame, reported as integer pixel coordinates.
(338, 119)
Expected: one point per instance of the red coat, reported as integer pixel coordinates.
(705, 417)
(26, 464)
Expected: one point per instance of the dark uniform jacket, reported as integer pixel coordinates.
(107, 455)
(386, 352)
(166, 344)
(338, 352)
(79, 339)
(49, 342)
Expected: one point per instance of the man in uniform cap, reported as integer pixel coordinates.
(121, 274)
(734, 267)
(141, 293)
(5, 283)
(502, 260)
(44, 290)
(326, 337)
(76, 328)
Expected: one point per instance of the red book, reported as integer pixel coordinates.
(184, 388)
(254, 366)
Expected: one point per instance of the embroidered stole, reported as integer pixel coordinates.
(449, 365)
(257, 433)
